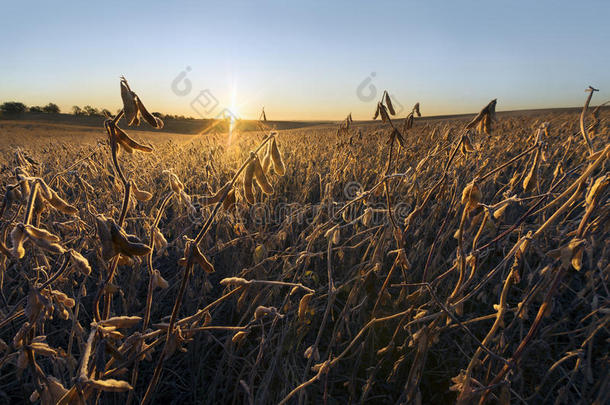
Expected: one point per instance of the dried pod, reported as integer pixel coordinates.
(39, 233)
(248, 185)
(367, 217)
(63, 298)
(266, 163)
(230, 201)
(207, 318)
(577, 257)
(388, 102)
(19, 336)
(234, 282)
(333, 234)
(260, 253)
(153, 121)
(126, 142)
(103, 232)
(128, 245)
(125, 147)
(213, 199)
(197, 256)
(466, 146)
(499, 212)
(276, 157)
(304, 306)
(80, 262)
(262, 311)
(43, 349)
(239, 337)
(17, 238)
(311, 352)
(484, 125)
(597, 188)
(416, 110)
(63, 313)
(140, 195)
(53, 391)
(471, 196)
(203, 261)
(408, 123)
(483, 119)
(134, 108)
(109, 385)
(130, 108)
(48, 246)
(174, 182)
(529, 182)
(60, 205)
(376, 112)
(158, 238)
(384, 113)
(158, 280)
(120, 321)
(261, 178)
(571, 254)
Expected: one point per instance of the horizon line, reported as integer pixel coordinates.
(447, 115)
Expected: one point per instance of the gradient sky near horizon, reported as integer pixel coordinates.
(306, 60)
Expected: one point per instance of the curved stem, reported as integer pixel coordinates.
(583, 127)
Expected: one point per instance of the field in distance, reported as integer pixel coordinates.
(39, 127)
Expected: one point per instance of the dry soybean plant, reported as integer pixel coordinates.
(471, 266)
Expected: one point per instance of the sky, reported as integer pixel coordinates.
(307, 60)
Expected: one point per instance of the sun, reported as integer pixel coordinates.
(232, 112)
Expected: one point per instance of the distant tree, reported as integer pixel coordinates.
(90, 110)
(13, 107)
(51, 108)
(35, 109)
(76, 110)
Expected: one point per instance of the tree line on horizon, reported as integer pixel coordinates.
(16, 107)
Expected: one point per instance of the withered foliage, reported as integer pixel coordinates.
(463, 268)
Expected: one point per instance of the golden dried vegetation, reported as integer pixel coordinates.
(471, 265)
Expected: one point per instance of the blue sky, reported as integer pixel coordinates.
(306, 60)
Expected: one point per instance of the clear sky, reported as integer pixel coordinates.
(306, 59)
